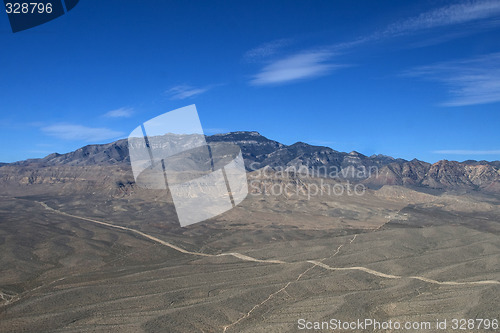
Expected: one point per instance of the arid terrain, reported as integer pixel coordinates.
(83, 249)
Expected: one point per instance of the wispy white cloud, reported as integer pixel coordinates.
(185, 91)
(437, 39)
(479, 15)
(468, 152)
(295, 67)
(119, 113)
(470, 82)
(266, 50)
(79, 132)
(464, 12)
(321, 142)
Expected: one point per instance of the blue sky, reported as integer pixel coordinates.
(406, 79)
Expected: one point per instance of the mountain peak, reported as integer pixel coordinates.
(249, 133)
(301, 144)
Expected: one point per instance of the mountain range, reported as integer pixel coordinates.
(259, 152)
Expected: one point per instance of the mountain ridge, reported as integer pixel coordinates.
(238, 137)
(259, 152)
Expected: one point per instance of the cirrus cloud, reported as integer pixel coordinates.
(469, 82)
(119, 113)
(184, 91)
(296, 67)
(266, 50)
(80, 133)
(454, 14)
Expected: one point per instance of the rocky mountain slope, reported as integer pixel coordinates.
(302, 158)
(441, 175)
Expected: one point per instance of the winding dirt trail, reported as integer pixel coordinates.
(315, 263)
(283, 289)
(273, 261)
(155, 239)
(6, 299)
(390, 276)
